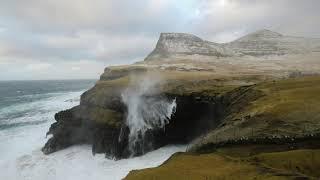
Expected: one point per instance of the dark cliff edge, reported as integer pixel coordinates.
(195, 115)
(100, 118)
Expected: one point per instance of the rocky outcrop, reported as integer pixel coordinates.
(71, 128)
(100, 119)
(107, 132)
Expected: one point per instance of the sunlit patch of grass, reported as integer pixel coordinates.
(286, 107)
(295, 102)
(197, 167)
(279, 165)
(301, 161)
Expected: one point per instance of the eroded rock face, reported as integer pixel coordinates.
(170, 44)
(71, 129)
(66, 131)
(106, 129)
(194, 116)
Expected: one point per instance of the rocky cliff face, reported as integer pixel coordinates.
(260, 43)
(100, 119)
(210, 94)
(170, 44)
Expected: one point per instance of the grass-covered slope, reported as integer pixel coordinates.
(289, 107)
(298, 164)
(300, 161)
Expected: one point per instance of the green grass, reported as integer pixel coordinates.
(293, 100)
(286, 107)
(301, 161)
(279, 165)
(201, 167)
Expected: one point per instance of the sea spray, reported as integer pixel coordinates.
(146, 109)
(20, 145)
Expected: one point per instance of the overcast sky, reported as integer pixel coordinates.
(76, 39)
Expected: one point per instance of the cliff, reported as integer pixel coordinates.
(273, 135)
(170, 44)
(217, 89)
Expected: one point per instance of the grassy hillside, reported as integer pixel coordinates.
(289, 107)
(282, 165)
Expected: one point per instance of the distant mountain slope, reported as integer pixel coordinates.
(259, 43)
(266, 42)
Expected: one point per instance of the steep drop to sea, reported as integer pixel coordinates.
(27, 109)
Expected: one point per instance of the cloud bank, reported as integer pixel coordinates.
(66, 39)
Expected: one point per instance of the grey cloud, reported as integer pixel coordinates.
(83, 44)
(293, 17)
(108, 15)
(67, 36)
(57, 29)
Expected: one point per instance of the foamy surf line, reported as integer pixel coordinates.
(40, 109)
(21, 157)
(78, 162)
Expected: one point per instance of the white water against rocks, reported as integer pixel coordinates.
(145, 112)
(26, 112)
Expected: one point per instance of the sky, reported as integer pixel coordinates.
(77, 39)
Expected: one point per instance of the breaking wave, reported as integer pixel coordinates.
(22, 136)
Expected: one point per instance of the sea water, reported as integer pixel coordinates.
(27, 109)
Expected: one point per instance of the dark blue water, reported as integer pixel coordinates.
(12, 92)
(20, 101)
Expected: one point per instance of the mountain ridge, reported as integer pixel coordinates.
(259, 43)
(183, 43)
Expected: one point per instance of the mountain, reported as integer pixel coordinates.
(260, 43)
(170, 44)
(266, 42)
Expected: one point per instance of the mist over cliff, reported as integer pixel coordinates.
(145, 112)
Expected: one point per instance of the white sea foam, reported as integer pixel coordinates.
(78, 163)
(21, 158)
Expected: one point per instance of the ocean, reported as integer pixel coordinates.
(27, 109)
